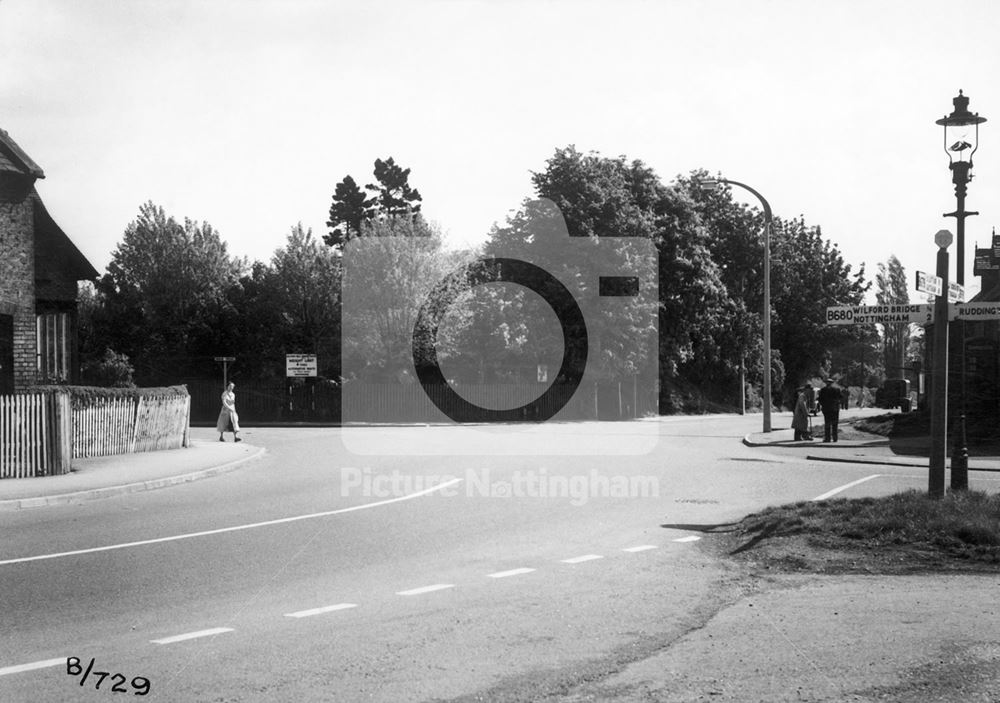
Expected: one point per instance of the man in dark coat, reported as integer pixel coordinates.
(829, 403)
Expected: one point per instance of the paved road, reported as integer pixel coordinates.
(318, 574)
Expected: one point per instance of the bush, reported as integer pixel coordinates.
(112, 370)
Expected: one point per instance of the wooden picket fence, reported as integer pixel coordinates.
(41, 433)
(124, 425)
(35, 435)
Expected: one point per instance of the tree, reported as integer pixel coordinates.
(393, 194)
(808, 273)
(607, 197)
(391, 197)
(891, 289)
(350, 208)
(165, 296)
(388, 274)
(734, 237)
(304, 287)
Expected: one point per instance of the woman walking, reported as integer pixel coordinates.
(800, 417)
(228, 419)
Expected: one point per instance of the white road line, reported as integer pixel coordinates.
(320, 611)
(192, 635)
(235, 528)
(835, 491)
(425, 589)
(689, 538)
(512, 572)
(32, 666)
(578, 560)
(640, 548)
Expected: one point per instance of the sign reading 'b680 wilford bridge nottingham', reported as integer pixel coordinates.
(920, 314)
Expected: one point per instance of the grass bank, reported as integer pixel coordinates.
(904, 532)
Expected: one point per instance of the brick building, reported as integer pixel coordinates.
(39, 271)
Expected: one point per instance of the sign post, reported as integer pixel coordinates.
(225, 368)
(939, 402)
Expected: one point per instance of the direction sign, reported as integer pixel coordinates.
(929, 283)
(225, 358)
(300, 365)
(978, 311)
(920, 314)
(956, 293)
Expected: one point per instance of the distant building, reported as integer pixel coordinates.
(39, 271)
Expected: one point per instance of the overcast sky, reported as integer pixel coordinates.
(247, 113)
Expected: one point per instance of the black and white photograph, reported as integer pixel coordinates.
(499, 351)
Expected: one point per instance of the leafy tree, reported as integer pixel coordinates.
(387, 277)
(808, 274)
(164, 300)
(605, 197)
(304, 285)
(891, 289)
(734, 237)
(350, 208)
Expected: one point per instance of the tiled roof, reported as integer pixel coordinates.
(52, 242)
(13, 158)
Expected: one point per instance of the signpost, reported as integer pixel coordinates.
(225, 368)
(300, 365)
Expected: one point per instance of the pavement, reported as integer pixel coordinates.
(104, 477)
(856, 447)
(924, 637)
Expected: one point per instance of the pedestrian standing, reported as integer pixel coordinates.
(229, 420)
(845, 398)
(800, 417)
(829, 403)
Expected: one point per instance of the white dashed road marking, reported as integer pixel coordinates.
(689, 538)
(640, 548)
(320, 611)
(425, 589)
(585, 557)
(192, 635)
(32, 666)
(835, 491)
(512, 572)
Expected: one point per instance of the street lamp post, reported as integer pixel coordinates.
(961, 139)
(712, 184)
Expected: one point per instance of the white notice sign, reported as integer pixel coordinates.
(300, 365)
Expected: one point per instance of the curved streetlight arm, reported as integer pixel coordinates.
(763, 202)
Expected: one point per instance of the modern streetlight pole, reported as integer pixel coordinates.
(712, 184)
(961, 139)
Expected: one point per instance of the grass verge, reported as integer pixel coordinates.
(904, 532)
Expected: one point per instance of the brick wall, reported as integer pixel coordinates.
(17, 277)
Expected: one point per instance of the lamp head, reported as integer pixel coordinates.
(961, 131)
(709, 184)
